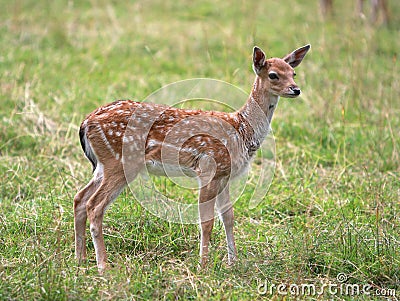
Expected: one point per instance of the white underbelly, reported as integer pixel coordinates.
(169, 170)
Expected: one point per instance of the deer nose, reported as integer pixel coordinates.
(296, 90)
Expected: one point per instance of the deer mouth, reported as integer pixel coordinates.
(292, 93)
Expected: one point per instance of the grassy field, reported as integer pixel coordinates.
(333, 206)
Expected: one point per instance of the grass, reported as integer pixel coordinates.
(333, 206)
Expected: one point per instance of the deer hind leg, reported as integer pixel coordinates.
(374, 10)
(385, 11)
(225, 211)
(110, 187)
(326, 7)
(80, 215)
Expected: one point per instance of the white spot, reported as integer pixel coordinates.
(118, 134)
(152, 143)
(105, 115)
(110, 132)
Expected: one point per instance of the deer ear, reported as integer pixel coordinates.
(258, 59)
(294, 59)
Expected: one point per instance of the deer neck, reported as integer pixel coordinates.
(257, 112)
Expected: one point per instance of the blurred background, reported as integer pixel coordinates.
(334, 203)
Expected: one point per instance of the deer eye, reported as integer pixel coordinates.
(273, 75)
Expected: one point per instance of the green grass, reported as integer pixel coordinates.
(333, 206)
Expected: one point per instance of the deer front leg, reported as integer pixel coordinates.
(206, 229)
(225, 210)
(227, 219)
(208, 194)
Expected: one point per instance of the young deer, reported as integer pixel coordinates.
(122, 138)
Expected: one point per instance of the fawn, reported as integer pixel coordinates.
(122, 138)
